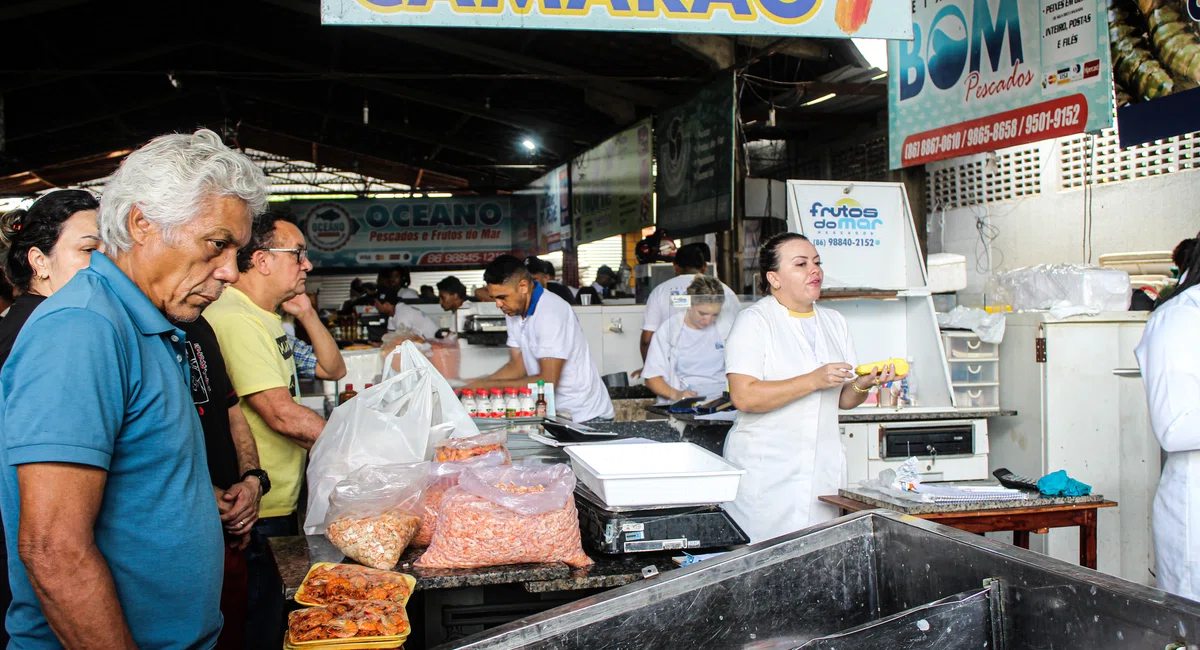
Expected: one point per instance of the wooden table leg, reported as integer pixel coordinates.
(1087, 540)
(1021, 539)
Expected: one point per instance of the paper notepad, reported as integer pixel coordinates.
(968, 493)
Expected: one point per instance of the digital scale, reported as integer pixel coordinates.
(644, 529)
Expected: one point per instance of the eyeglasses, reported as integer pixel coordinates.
(300, 253)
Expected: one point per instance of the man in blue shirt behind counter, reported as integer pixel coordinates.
(113, 533)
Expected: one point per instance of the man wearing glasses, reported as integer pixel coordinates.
(260, 360)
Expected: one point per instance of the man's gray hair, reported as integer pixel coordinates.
(171, 179)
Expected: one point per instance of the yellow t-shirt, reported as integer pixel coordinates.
(258, 357)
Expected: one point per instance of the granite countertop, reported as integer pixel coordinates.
(859, 415)
(296, 555)
(630, 392)
(884, 500)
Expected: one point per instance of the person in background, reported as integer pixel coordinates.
(687, 354)
(482, 294)
(7, 296)
(402, 281)
(542, 272)
(47, 245)
(452, 293)
(606, 282)
(790, 365)
(356, 294)
(1182, 254)
(113, 533)
(545, 343)
(407, 317)
(1170, 363)
(237, 480)
(689, 264)
(262, 368)
(427, 295)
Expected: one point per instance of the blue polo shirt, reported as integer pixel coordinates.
(99, 377)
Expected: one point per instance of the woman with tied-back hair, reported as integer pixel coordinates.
(47, 245)
(1170, 361)
(790, 365)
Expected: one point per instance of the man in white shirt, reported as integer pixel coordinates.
(545, 342)
(414, 320)
(689, 260)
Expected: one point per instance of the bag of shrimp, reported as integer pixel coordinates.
(444, 477)
(465, 448)
(375, 512)
(512, 514)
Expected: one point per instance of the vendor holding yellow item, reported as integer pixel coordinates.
(790, 365)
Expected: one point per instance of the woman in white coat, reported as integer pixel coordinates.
(1170, 361)
(687, 353)
(790, 366)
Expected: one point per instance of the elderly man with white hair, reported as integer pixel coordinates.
(113, 533)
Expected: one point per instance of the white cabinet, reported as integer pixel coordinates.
(1075, 414)
(854, 439)
(613, 334)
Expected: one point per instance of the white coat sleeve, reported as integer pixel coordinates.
(1170, 361)
(658, 358)
(747, 347)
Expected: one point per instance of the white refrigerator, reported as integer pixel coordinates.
(1081, 407)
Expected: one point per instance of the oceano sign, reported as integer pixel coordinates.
(822, 18)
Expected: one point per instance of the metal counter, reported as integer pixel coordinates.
(872, 579)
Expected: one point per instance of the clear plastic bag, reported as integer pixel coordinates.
(375, 512)
(445, 476)
(460, 449)
(513, 514)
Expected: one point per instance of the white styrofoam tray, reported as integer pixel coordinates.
(655, 474)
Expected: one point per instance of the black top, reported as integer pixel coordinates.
(560, 290)
(213, 394)
(11, 325)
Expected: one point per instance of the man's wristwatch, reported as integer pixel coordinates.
(263, 479)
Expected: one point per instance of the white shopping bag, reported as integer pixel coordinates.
(400, 420)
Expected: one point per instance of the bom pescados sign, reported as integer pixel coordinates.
(820, 18)
(981, 75)
(417, 232)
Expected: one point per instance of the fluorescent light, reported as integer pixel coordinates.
(820, 99)
(881, 75)
(529, 145)
(439, 195)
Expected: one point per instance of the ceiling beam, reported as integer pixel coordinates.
(375, 124)
(13, 11)
(499, 57)
(319, 154)
(516, 119)
(718, 51)
(800, 48)
(41, 78)
(99, 116)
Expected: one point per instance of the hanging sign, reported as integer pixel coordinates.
(418, 232)
(981, 75)
(612, 186)
(1156, 68)
(791, 18)
(695, 145)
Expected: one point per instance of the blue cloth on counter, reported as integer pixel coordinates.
(1059, 484)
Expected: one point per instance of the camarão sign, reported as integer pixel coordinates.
(980, 75)
(822, 18)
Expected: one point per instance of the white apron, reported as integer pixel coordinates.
(1169, 356)
(793, 454)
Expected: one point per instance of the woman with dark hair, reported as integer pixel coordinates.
(790, 365)
(47, 244)
(1170, 363)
